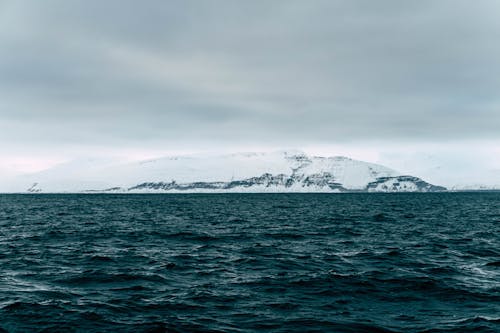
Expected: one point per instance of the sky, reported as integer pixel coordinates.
(414, 85)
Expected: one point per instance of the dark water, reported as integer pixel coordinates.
(248, 263)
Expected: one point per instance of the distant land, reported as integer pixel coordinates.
(282, 171)
(270, 172)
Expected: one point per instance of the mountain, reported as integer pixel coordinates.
(282, 171)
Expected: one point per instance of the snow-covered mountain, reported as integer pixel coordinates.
(283, 171)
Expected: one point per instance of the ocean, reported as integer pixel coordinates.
(250, 263)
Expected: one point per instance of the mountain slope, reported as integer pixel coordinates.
(284, 171)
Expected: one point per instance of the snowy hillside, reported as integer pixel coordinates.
(284, 171)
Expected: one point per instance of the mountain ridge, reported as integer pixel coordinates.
(281, 171)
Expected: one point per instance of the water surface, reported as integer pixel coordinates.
(250, 263)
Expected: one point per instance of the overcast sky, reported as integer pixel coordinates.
(412, 84)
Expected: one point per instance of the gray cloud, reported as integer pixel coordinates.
(164, 73)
